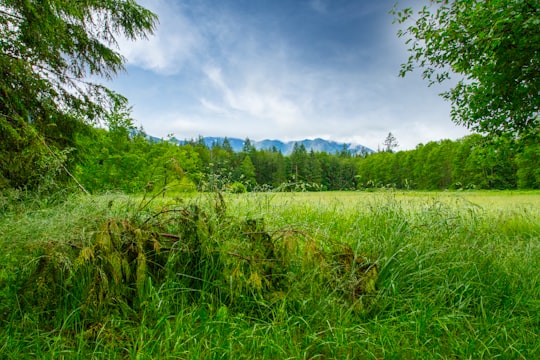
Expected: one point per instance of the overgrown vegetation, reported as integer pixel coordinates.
(338, 275)
(177, 273)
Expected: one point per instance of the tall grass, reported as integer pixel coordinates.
(276, 276)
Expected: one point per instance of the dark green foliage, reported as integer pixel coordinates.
(528, 163)
(48, 51)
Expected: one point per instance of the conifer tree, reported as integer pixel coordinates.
(50, 52)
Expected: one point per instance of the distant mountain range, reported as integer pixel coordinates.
(286, 148)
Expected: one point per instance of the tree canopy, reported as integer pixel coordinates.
(493, 45)
(51, 53)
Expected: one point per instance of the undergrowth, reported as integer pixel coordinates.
(261, 277)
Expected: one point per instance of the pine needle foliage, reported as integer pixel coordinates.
(51, 52)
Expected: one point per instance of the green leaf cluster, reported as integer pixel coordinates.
(492, 47)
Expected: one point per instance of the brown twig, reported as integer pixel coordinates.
(170, 236)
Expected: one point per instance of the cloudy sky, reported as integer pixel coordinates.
(280, 69)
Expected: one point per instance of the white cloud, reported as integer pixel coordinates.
(252, 92)
(270, 96)
(214, 108)
(175, 42)
(244, 80)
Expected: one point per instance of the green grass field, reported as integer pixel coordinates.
(345, 275)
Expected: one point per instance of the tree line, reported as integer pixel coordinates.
(124, 159)
(127, 160)
(472, 162)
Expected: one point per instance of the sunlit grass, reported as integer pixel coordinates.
(457, 278)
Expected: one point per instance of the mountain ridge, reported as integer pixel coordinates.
(285, 147)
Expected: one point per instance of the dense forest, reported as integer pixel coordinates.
(122, 158)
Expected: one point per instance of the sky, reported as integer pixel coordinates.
(280, 69)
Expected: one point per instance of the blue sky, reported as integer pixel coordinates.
(280, 69)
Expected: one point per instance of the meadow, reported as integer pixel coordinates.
(345, 275)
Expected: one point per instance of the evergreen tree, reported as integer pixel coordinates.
(49, 51)
(390, 143)
(298, 161)
(248, 148)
